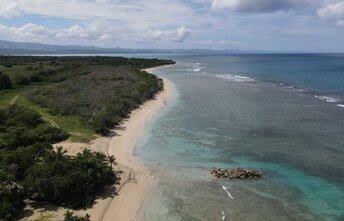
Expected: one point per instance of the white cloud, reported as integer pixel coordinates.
(333, 10)
(95, 30)
(27, 32)
(139, 13)
(9, 11)
(168, 23)
(220, 44)
(178, 35)
(99, 32)
(259, 6)
(110, 20)
(37, 33)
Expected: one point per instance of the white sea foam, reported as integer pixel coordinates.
(223, 215)
(229, 195)
(328, 98)
(237, 78)
(340, 105)
(199, 67)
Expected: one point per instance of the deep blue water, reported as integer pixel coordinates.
(319, 72)
(255, 111)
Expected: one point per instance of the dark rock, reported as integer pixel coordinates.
(237, 173)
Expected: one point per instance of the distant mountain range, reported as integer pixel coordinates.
(21, 48)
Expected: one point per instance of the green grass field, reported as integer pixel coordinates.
(79, 131)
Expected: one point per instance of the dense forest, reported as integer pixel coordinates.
(81, 94)
(101, 91)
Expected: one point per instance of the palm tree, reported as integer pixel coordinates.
(60, 153)
(100, 156)
(112, 160)
(85, 154)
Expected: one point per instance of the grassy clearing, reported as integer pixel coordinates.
(8, 96)
(78, 130)
(16, 70)
(71, 124)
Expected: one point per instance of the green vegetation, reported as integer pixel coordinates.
(116, 91)
(24, 138)
(82, 95)
(70, 217)
(30, 168)
(5, 81)
(24, 127)
(69, 181)
(45, 100)
(78, 130)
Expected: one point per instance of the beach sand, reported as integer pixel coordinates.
(122, 202)
(128, 204)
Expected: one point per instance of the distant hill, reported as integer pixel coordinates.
(11, 48)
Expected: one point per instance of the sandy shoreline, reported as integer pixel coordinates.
(126, 202)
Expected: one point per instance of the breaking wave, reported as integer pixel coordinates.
(237, 78)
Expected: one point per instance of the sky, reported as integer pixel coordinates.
(268, 25)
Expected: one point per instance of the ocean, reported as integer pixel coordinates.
(282, 114)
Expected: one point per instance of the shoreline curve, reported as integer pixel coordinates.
(128, 204)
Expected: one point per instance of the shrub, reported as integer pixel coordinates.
(23, 127)
(22, 80)
(70, 217)
(29, 68)
(5, 81)
(11, 201)
(8, 65)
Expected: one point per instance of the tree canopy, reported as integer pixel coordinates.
(5, 81)
(31, 168)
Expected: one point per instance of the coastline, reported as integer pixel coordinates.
(128, 204)
(122, 201)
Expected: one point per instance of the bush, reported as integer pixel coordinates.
(5, 81)
(23, 158)
(22, 80)
(29, 68)
(8, 65)
(11, 201)
(18, 115)
(23, 127)
(70, 217)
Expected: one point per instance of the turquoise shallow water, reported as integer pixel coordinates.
(221, 117)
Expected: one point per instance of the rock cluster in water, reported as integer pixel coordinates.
(237, 173)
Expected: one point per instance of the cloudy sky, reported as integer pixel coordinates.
(273, 25)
